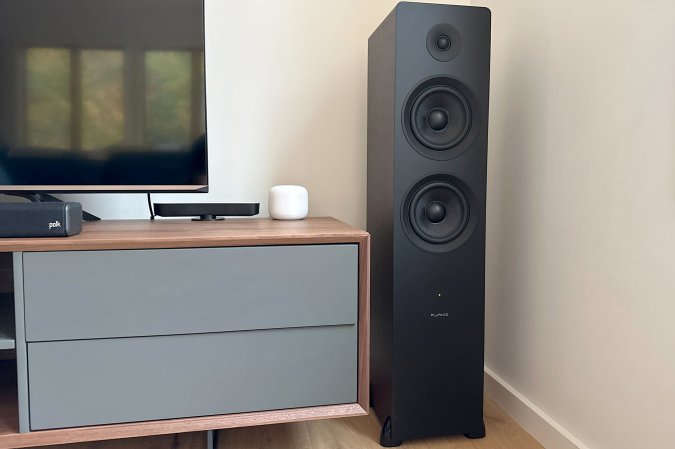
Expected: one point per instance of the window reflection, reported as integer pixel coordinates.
(168, 97)
(102, 98)
(48, 98)
(76, 99)
(73, 103)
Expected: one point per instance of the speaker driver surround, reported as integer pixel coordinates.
(440, 118)
(437, 213)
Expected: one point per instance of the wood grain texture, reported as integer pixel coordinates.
(345, 433)
(96, 433)
(142, 234)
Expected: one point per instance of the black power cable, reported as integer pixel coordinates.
(152, 212)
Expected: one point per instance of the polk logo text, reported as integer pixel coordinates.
(54, 224)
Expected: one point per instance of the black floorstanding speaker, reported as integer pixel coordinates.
(428, 88)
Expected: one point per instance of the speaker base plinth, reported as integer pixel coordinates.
(386, 439)
(478, 433)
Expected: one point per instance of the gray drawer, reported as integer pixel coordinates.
(87, 382)
(101, 294)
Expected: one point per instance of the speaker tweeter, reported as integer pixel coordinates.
(444, 42)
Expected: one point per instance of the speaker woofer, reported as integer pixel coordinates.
(439, 119)
(437, 213)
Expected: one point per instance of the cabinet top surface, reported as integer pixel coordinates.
(143, 234)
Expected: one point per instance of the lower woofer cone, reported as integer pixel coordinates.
(440, 117)
(438, 212)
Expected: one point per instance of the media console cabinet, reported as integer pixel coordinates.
(139, 327)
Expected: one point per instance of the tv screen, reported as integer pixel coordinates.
(102, 95)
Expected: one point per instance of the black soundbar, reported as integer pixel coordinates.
(40, 219)
(206, 211)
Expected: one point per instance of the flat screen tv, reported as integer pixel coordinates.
(102, 96)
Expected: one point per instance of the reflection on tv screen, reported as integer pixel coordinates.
(102, 93)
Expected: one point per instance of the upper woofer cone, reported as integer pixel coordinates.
(438, 212)
(440, 117)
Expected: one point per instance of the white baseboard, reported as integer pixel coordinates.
(535, 421)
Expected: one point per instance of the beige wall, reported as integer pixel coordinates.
(581, 225)
(286, 94)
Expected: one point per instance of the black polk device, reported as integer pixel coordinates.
(40, 219)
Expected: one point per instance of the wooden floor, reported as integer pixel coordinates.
(348, 433)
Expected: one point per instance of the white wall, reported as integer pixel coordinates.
(286, 99)
(581, 214)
